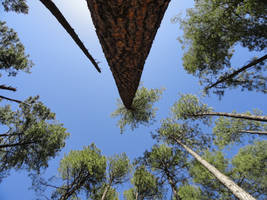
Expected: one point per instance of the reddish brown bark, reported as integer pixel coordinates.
(126, 30)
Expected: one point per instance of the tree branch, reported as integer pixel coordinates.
(236, 72)
(232, 115)
(9, 99)
(16, 144)
(254, 132)
(8, 134)
(62, 20)
(3, 87)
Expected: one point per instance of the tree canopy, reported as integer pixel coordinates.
(19, 6)
(197, 153)
(211, 31)
(32, 138)
(141, 112)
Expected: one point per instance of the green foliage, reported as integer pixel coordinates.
(119, 168)
(212, 28)
(112, 194)
(129, 194)
(81, 170)
(250, 169)
(189, 192)
(229, 131)
(188, 107)
(142, 111)
(169, 163)
(12, 55)
(190, 135)
(146, 186)
(163, 158)
(33, 136)
(18, 6)
(87, 172)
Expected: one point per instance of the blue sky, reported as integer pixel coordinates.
(83, 99)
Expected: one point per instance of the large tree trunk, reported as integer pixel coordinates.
(126, 30)
(233, 115)
(61, 19)
(234, 188)
(236, 72)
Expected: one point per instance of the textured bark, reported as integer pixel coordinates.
(61, 19)
(126, 30)
(233, 115)
(235, 73)
(234, 188)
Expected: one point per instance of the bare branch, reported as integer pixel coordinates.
(62, 20)
(9, 99)
(254, 132)
(236, 72)
(3, 87)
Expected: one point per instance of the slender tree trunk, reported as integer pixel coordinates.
(73, 188)
(173, 186)
(254, 132)
(136, 196)
(105, 192)
(235, 73)
(233, 115)
(62, 20)
(234, 188)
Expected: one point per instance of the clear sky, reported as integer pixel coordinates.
(83, 99)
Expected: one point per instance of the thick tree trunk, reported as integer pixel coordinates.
(235, 73)
(126, 30)
(234, 188)
(254, 132)
(61, 19)
(233, 115)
